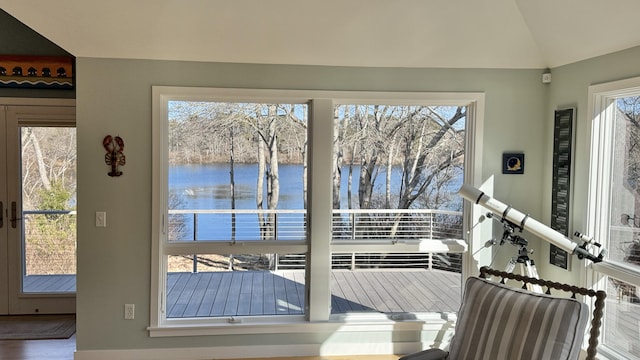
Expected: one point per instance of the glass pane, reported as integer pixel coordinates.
(621, 332)
(215, 285)
(398, 157)
(624, 243)
(48, 209)
(398, 168)
(395, 283)
(621, 321)
(237, 172)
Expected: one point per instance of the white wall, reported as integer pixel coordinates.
(114, 97)
(569, 89)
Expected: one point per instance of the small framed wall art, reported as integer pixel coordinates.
(513, 163)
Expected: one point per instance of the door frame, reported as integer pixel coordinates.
(17, 112)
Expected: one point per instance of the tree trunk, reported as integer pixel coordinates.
(42, 168)
(273, 179)
(337, 158)
(350, 179)
(366, 182)
(260, 185)
(390, 156)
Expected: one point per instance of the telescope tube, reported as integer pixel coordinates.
(535, 227)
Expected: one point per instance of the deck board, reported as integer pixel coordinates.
(197, 298)
(389, 304)
(269, 304)
(380, 299)
(217, 308)
(209, 296)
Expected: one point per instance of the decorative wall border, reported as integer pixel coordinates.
(26, 71)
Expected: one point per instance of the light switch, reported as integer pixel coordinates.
(101, 219)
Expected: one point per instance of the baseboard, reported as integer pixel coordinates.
(244, 352)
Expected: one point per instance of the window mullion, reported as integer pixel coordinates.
(319, 212)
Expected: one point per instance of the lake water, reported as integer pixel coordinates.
(205, 187)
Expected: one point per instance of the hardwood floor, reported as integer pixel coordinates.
(344, 357)
(64, 349)
(38, 349)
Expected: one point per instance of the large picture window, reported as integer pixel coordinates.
(614, 208)
(290, 206)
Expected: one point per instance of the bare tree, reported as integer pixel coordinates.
(430, 148)
(47, 163)
(422, 141)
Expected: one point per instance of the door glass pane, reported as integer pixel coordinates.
(48, 209)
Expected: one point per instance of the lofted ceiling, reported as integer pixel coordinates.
(382, 33)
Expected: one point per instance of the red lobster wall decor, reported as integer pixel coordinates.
(114, 156)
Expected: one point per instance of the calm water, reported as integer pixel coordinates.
(205, 187)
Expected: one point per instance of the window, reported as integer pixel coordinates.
(244, 229)
(614, 211)
(397, 169)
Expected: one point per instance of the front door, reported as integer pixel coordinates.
(38, 201)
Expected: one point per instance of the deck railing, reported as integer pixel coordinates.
(365, 226)
(393, 224)
(49, 242)
(282, 225)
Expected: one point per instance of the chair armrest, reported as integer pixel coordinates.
(429, 354)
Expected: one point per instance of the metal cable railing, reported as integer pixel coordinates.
(49, 242)
(353, 225)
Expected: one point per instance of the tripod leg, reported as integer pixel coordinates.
(511, 265)
(533, 273)
(509, 268)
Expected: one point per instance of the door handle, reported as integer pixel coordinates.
(14, 217)
(1, 214)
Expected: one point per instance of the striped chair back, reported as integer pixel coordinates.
(497, 322)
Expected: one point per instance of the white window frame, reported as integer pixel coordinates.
(602, 108)
(321, 103)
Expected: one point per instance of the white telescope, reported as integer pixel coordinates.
(523, 222)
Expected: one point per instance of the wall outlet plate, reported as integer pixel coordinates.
(101, 219)
(129, 311)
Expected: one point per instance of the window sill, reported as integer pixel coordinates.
(620, 271)
(297, 324)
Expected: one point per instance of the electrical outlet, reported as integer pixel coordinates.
(129, 311)
(101, 219)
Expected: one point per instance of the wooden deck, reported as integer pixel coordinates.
(49, 283)
(241, 293)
